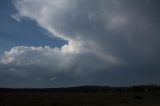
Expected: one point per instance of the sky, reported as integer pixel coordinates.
(63, 43)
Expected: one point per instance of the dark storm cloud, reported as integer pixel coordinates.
(113, 42)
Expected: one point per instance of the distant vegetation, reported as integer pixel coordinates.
(82, 96)
(142, 88)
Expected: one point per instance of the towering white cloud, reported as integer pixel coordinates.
(91, 27)
(55, 16)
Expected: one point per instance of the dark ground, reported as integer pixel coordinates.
(82, 96)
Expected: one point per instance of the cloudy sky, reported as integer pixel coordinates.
(59, 43)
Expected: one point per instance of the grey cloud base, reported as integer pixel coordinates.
(112, 42)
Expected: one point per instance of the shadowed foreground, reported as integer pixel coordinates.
(82, 96)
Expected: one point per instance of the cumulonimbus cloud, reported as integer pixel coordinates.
(100, 34)
(99, 27)
(55, 16)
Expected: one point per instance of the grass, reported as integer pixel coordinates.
(79, 98)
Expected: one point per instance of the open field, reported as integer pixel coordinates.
(83, 96)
